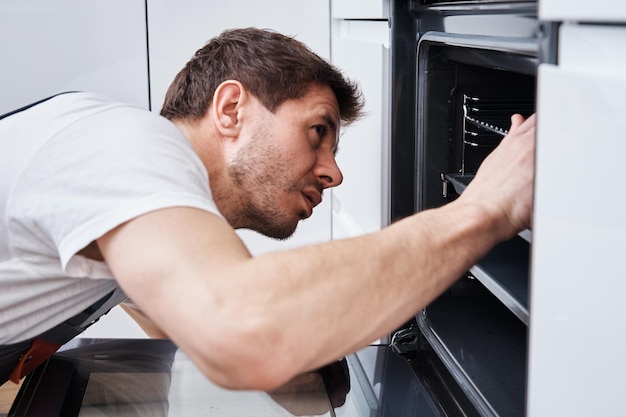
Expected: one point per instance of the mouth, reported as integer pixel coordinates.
(313, 197)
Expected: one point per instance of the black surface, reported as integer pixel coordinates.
(403, 27)
(488, 345)
(508, 265)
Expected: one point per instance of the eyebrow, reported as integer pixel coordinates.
(329, 121)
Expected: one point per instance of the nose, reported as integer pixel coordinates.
(328, 172)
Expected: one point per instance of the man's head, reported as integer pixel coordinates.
(263, 112)
(272, 66)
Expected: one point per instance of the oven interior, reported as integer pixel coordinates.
(478, 328)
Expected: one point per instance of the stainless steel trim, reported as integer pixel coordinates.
(525, 46)
(455, 368)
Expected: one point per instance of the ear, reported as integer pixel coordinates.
(226, 107)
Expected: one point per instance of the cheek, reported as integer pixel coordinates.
(281, 173)
(303, 158)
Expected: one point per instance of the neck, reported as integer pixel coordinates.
(208, 146)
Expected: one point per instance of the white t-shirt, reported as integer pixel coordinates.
(71, 169)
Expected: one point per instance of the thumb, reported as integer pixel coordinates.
(516, 121)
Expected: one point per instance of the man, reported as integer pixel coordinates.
(99, 196)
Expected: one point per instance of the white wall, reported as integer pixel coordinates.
(49, 47)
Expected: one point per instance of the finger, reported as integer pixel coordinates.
(521, 125)
(531, 121)
(516, 121)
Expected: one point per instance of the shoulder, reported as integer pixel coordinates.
(100, 128)
(107, 163)
(87, 110)
(74, 119)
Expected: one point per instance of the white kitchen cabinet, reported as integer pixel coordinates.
(178, 29)
(49, 47)
(585, 11)
(361, 50)
(577, 344)
(360, 9)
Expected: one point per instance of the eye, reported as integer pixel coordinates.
(320, 130)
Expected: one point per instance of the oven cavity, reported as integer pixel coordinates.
(466, 95)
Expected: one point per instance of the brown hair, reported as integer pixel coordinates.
(273, 67)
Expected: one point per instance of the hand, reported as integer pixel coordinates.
(504, 182)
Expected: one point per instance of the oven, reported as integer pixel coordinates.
(534, 329)
(459, 70)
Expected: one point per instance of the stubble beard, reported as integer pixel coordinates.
(260, 177)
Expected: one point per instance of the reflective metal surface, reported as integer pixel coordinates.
(153, 378)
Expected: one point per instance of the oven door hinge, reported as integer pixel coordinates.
(405, 342)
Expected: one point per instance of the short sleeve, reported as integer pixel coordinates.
(114, 164)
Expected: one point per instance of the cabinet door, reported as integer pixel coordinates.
(360, 49)
(359, 9)
(586, 11)
(577, 342)
(49, 47)
(178, 29)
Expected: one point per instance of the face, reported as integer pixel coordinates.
(285, 163)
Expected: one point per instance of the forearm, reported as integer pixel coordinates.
(349, 293)
(297, 310)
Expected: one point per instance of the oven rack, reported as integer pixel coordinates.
(498, 105)
(491, 128)
(486, 121)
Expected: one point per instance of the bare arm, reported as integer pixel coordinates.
(256, 322)
(147, 325)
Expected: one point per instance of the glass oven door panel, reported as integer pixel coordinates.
(151, 377)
